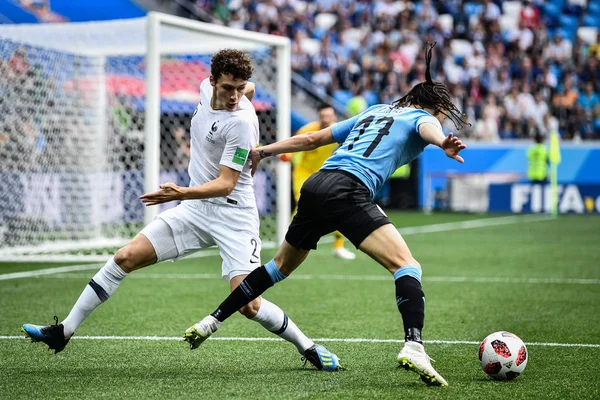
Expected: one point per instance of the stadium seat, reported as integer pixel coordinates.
(573, 9)
(371, 97)
(508, 23)
(473, 9)
(446, 22)
(587, 34)
(567, 34)
(325, 20)
(512, 9)
(591, 20)
(310, 46)
(342, 96)
(461, 48)
(551, 14)
(319, 33)
(568, 22)
(353, 37)
(594, 8)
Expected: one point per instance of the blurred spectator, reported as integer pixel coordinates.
(488, 126)
(564, 103)
(491, 12)
(368, 52)
(514, 113)
(589, 106)
(539, 112)
(559, 49)
(594, 48)
(530, 15)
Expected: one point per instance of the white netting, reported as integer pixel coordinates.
(72, 131)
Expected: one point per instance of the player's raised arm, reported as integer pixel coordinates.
(450, 144)
(308, 141)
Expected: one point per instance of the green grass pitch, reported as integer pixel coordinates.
(538, 279)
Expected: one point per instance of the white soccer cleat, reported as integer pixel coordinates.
(344, 254)
(196, 334)
(412, 357)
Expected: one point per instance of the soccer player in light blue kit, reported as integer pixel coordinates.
(340, 197)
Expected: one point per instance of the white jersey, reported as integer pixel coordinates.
(221, 137)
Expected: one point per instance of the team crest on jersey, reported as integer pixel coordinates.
(209, 136)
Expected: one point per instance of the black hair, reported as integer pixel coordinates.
(323, 106)
(432, 94)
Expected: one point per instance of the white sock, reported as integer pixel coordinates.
(98, 290)
(274, 320)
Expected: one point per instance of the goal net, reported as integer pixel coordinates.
(95, 114)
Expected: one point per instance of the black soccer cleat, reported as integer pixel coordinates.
(322, 359)
(52, 335)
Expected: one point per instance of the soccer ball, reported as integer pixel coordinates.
(503, 355)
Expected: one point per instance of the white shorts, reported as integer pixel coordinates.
(196, 225)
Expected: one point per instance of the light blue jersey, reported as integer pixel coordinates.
(377, 142)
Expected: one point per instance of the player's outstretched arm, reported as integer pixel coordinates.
(308, 141)
(222, 186)
(450, 144)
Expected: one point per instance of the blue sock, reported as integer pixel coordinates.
(409, 270)
(411, 301)
(274, 272)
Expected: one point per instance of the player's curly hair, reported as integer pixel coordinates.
(230, 61)
(432, 94)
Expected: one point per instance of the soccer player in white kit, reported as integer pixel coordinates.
(218, 208)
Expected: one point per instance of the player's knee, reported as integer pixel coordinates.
(125, 258)
(251, 309)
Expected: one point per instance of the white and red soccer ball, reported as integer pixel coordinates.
(503, 355)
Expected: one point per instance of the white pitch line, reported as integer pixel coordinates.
(471, 224)
(445, 279)
(83, 267)
(48, 271)
(341, 340)
(449, 226)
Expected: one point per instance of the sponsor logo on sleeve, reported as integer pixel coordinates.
(240, 156)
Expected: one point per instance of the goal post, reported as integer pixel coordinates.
(98, 113)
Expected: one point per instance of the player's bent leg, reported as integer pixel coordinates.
(98, 290)
(276, 321)
(288, 258)
(410, 299)
(250, 288)
(386, 246)
(137, 254)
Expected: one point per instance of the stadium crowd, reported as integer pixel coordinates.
(511, 66)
